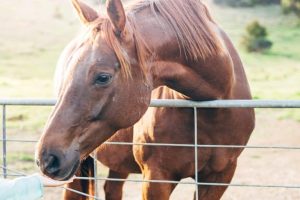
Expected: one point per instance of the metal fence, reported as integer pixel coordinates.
(6, 171)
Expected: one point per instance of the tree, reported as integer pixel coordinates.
(291, 6)
(255, 39)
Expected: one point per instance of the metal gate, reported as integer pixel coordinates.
(160, 103)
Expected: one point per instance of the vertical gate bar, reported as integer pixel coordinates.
(95, 175)
(196, 152)
(4, 140)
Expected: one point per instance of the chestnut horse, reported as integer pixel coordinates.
(166, 49)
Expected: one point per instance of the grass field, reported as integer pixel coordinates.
(275, 74)
(33, 33)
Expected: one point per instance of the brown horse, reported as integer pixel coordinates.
(159, 49)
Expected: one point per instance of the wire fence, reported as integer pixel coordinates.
(7, 172)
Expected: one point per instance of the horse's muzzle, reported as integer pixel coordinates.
(58, 165)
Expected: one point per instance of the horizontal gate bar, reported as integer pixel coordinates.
(228, 103)
(178, 103)
(182, 145)
(192, 183)
(205, 146)
(28, 102)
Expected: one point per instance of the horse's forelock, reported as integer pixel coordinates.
(61, 68)
(119, 50)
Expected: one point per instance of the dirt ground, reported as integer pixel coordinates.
(263, 166)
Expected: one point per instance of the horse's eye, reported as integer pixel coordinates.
(103, 79)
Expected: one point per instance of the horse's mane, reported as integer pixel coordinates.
(188, 19)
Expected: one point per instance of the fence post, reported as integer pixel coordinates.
(196, 152)
(4, 140)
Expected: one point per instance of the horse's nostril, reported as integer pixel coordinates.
(52, 164)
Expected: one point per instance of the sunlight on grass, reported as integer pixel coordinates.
(23, 157)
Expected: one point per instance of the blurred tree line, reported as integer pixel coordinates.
(288, 6)
(246, 3)
(291, 6)
(255, 38)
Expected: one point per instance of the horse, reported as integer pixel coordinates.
(166, 49)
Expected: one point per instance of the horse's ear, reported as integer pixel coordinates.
(86, 13)
(116, 13)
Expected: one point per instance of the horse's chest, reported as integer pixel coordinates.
(176, 126)
(166, 126)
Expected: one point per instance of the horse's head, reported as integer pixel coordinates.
(104, 90)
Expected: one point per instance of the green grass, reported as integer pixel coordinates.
(31, 39)
(275, 74)
(32, 120)
(23, 157)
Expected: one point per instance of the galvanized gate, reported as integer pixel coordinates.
(159, 103)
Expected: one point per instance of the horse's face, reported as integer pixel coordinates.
(95, 100)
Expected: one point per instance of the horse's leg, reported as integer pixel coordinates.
(157, 191)
(114, 189)
(215, 192)
(85, 186)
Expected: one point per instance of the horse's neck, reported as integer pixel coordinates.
(194, 84)
(205, 79)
